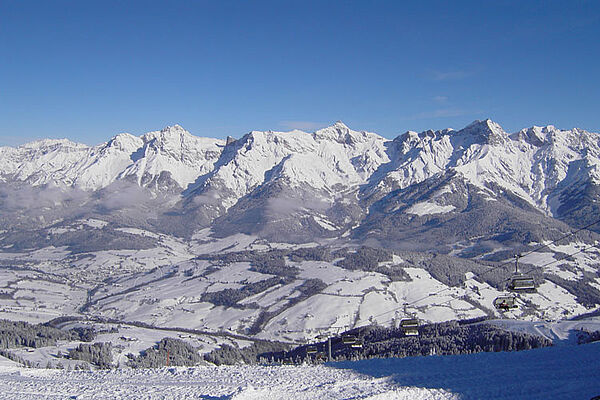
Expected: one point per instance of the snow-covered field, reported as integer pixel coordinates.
(564, 372)
(163, 286)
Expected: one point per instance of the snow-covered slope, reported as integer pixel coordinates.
(536, 164)
(325, 160)
(566, 372)
(275, 291)
(140, 228)
(334, 173)
(171, 154)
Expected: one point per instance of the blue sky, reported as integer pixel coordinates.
(87, 70)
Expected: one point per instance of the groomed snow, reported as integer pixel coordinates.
(239, 383)
(564, 372)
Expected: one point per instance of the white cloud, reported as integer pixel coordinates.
(121, 195)
(285, 205)
(449, 75)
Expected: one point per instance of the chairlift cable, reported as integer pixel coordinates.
(555, 261)
(540, 247)
(497, 267)
(561, 238)
(506, 280)
(500, 266)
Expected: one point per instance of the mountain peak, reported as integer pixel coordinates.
(485, 124)
(174, 129)
(167, 134)
(535, 135)
(125, 142)
(485, 131)
(44, 143)
(340, 125)
(337, 127)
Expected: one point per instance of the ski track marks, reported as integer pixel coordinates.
(563, 372)
(233, 382)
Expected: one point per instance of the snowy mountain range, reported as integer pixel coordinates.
(297, 185)
(280, 235)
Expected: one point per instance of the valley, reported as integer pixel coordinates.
(289, 237)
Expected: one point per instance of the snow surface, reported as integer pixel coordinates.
(563, 372)
(239, 383)
(163, 286)
(426, 207)
(560, 332)
(538, 164)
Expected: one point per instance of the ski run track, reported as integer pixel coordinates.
(559, 372)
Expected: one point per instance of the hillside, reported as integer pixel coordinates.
(287, 236)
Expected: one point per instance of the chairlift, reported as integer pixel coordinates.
(311, 349)
(411, 332)
(348, 339)
(357, 345)
(410, 326)
(521, 283)
(409, 323)
(505, 303)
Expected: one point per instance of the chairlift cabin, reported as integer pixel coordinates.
(520, 283)
(410, 326)
(311, 349)
(505, 303)
(411, 331)
(348, 339)
(409, 323)
(357, 345)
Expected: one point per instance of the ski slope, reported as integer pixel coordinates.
(560, 332)
(563, 372)
(239, 383)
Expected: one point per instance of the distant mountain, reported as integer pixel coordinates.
(295, 186)
(286, 235)
(163, 160)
